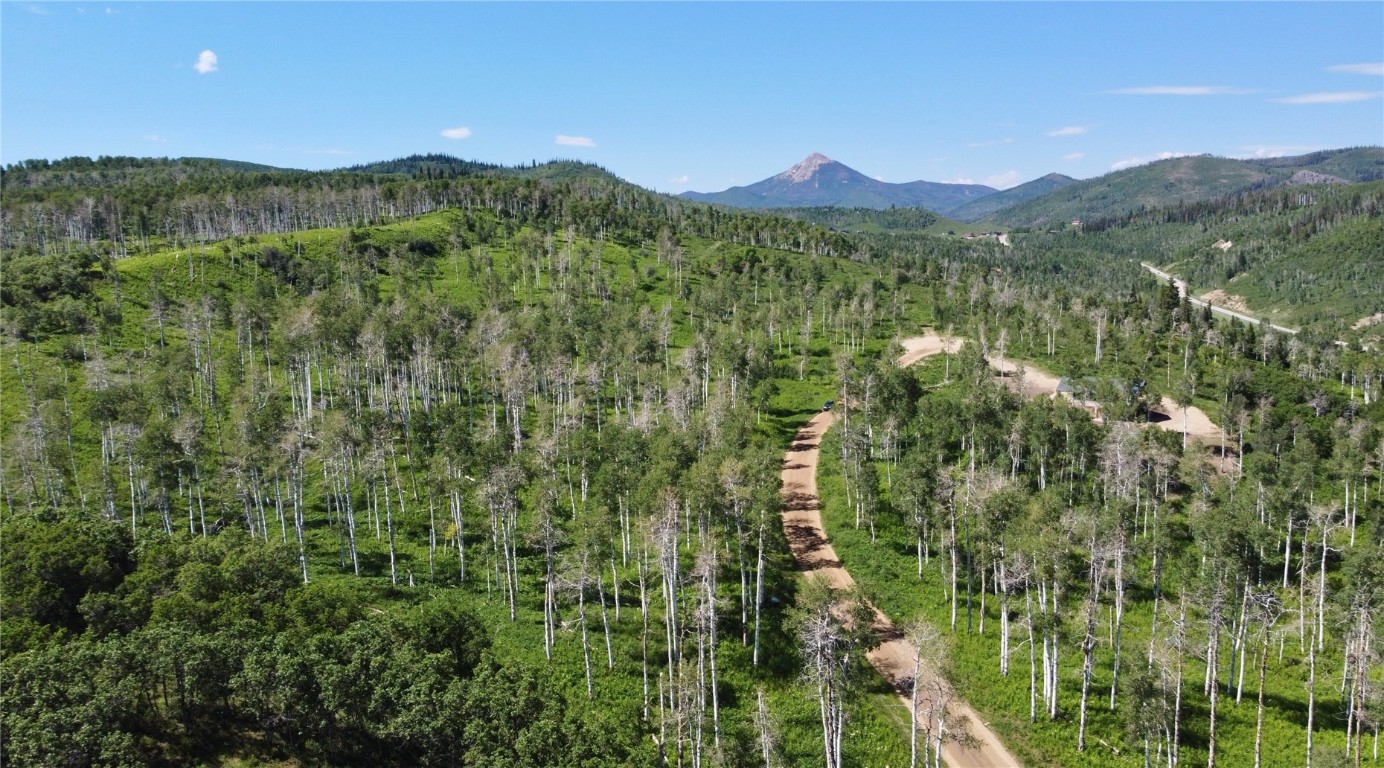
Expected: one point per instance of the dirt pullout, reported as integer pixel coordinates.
(893, 659)
(916, 348)
(1170, 417)
(1220, 298)
(1026, 379)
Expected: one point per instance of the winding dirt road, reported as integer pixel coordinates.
(893, 659)
(1031, 382)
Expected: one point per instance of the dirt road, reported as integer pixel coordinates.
(893, 659)
(802, 523)
(1031, 381)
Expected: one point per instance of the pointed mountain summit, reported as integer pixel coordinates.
(807, 168)
(819, 181)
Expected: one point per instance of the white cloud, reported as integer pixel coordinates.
(960, 180)
(978, 144)
(1375, 68)
(573, 141)
(1130, 162)
(1003, 180)
(1182, 90)
(1074, 156)
(1284, 150)
(460, 132)
(1331, 97)
(154, 137)
(39, 10)
(111, 12)
(206, 63)
(681, 181)
(1070, 130)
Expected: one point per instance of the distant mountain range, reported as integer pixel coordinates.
(979, 209)
(819, 181)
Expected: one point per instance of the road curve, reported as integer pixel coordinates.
(893, 659)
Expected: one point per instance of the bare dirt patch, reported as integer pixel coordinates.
(1224, 245)
(1220, 298)
(1365, 322)
(1198, 424)
(1025, 379)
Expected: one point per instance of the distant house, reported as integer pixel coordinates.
(1076, 223)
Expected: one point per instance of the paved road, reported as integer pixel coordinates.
(1182, 292)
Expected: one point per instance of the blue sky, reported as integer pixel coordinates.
(694, 96)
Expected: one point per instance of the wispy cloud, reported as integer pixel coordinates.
(563, 140)
(1331, 97)
(1130, 162)
(1070, 130)
(961, 180)
(459, 132)
(112, 12)
(1375, 68)
(1002, 180)
(1074, 156)
(154, 137)
(992, 143)
(1182, 90)
(206, 63)
(39, 10)
(681, 181)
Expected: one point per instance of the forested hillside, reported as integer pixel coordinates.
(469, 487)
(430, 463)
(1187, 180)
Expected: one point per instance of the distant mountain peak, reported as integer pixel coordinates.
(807, 168)
(819, 181)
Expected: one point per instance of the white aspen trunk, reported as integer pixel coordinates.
(953, 571)
(758, 590)
(1259, 711)
(1119, 620)
(605, 621)
(585, 644)
(389, 528)
(1032, 658)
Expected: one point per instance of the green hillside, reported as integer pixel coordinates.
(1154, 185)
(337, 485)
(409, 467)
(986, 206)
(1182, 180)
